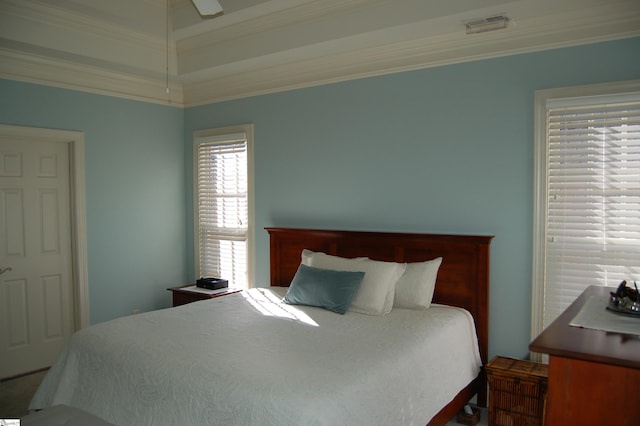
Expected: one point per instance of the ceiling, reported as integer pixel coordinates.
(122, 47)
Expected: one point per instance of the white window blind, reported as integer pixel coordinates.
(592, 218)
(222, 207)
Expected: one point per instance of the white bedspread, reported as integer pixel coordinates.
(248, 359)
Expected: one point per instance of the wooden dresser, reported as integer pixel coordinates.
(594, 376)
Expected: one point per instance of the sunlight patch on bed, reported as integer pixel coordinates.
(270, 304)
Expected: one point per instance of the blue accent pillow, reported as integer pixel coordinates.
(323, 288)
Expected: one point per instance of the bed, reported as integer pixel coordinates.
(249, 358)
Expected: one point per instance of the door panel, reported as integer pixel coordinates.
(36, 295)
(14, 230)
(16, 308)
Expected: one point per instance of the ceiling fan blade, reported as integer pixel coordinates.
(207, 7)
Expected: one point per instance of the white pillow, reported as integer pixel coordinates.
(414, 289)
(377, 291)
(308, 254)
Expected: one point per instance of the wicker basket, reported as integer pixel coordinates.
(517, 392)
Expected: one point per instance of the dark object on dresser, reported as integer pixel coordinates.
(212, 283)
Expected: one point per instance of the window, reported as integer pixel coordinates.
(587, 194)
(223, 204)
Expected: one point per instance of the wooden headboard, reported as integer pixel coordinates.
(463, 278)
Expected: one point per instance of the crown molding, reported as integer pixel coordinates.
(280, 44)
(44, 29)
(36, 14)
(569, 29)
(56, 73)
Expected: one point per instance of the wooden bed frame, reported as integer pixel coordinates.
(463, 278)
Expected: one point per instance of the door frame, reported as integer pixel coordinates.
(80, 273)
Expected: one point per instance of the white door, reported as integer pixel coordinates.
(36, 287)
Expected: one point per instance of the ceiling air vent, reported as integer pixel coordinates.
(487, 24)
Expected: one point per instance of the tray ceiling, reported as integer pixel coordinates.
(129, 48)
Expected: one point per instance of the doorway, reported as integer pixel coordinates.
(43, 272)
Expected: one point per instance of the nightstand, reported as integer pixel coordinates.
(190, 293)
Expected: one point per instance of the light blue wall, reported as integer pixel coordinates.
(447, 149)
(135, 193)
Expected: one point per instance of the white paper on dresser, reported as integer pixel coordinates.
(595, 315)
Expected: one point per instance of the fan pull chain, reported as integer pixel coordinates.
(167, 55)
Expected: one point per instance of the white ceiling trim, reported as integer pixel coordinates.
(278, 45)
(39, 27)
(520, 37)
(264, 16)
(37, 15)
(56, 73)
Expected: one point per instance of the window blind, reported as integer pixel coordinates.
(592, 222)
(222, 207)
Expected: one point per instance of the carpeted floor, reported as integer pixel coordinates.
(15, 394)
